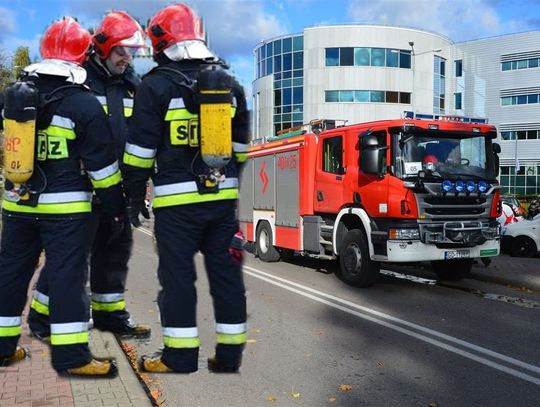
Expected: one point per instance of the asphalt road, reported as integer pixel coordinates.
(314, 341)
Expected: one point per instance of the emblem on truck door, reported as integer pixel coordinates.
(263, 177)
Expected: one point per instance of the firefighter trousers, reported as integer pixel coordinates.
(108, 274)
(182, 231)
(66, 242)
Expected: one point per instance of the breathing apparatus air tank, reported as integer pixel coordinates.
(215, 116)
(20, 115)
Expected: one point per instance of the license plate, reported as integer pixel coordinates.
(457, 254)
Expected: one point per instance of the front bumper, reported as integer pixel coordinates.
(413, 251)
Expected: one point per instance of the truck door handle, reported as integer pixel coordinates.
(320, 196)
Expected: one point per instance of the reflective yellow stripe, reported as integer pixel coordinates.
(179, 343)
(233, 111)
(240, 157)
(39, 307)
(135, 161)
(108, 306)
(194, 197)
(60, 132)
(69, 339)
(10, 331)
(114, 179)
(128, 111)
(179, 114)
(53, 208)
(231, 339)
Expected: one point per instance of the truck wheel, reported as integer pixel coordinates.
(452, 270)
(523, 246)
(355, 266)
(265, 250)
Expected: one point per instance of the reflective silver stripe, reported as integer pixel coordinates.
(114, 297)
(234, 103)
(190, 186)
(104, 172)
(180, 332)
(58, 197)
(176, 103)
(141, 152)
(102, 100)
(231, 328)
(10, 321)
(128, 102)
(42, 298)
(69, 327)
(62, 122)
(240, 147)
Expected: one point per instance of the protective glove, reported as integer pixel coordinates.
(117, 228)
(135, 208)
(236, 249)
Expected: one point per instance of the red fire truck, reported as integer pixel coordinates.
(404, 190)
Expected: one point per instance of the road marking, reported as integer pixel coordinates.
(379, 318)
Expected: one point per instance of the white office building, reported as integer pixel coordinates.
(362, 73)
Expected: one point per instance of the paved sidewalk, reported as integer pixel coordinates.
(33, 382)
(519, 272)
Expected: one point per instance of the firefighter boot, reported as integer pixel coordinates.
(20, 354)
(215, 366)
(154, 364)
(120, 324)
(105, 368)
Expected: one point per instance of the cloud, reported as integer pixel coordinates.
(457, 19)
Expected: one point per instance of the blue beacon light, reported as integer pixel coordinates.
(482, 186)
(460, 186)
(446, 186)
(470, 186)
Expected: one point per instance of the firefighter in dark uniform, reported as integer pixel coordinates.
(51, 211)
(194, 205)
(112, 79)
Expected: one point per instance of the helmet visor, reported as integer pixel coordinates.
(192, 49)
(131, 52)
(135, 41)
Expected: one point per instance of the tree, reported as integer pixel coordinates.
(21, 59)
(5, 71)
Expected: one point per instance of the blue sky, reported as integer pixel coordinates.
(236, 26)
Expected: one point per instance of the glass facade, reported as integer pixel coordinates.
(520, 64)
(284, 59)
(521, 135)
(458, 67)
(525, 182)
(349, 56)
(366, 96)
(439, 84)
(458, 101)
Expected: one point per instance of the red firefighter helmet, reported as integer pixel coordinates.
(173, 24)
(118, 29)
(65, 40)
(430, 159)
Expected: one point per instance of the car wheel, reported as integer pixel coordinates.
(265, 250)
(523, 246)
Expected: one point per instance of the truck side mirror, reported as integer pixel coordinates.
(371, 155)
(496, 147)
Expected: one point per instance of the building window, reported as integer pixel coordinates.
(366, 96)
(361, 56)
(520, 99)
(520, 64)
(333, 155)
(458, 68)
(457, 101)
(526, 181)
(439, 84)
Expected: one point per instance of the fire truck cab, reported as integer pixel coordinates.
(404, 190)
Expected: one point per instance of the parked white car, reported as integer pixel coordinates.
(522, 239)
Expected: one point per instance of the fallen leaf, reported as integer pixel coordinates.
(155, 394)
(151, 311)
(331, 399)
(268, 298)
(295, 395)
(380, 364)
(272, 399)
(345, 387)
(434, 404)
(251, 341)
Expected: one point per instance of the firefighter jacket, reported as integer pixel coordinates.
(75, 154)
(115, 93)
(163, 141)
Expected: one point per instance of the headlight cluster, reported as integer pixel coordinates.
(403, 234)
(464, 186)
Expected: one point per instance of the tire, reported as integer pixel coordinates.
(355, 266)
(265, 250)
(452, 270)
(523, 246)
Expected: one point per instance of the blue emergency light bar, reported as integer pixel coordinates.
(462, 119)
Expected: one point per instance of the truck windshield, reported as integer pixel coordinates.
(444, 155)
